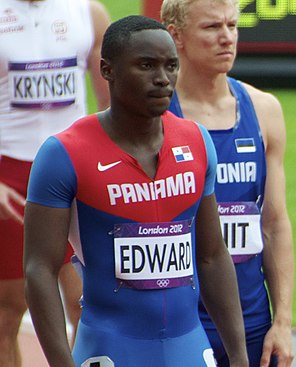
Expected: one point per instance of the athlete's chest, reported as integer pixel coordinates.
(214, 116)
(29, 32)
(112, 180)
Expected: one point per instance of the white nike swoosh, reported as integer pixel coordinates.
(105, 167)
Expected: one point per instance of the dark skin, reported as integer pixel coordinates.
(133, 122)
(141, 86)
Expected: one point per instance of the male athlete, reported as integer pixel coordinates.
(248, 131)
(134, 188)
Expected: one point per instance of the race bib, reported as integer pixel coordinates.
(102, 361)
(241, 229)
(153, 255)
(44, 84)
(209, 359)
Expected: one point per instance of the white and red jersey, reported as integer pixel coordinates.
(44, 50)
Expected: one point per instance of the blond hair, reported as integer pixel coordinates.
(174, 11)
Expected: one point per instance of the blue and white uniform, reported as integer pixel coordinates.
(134, 239)
(241, 175)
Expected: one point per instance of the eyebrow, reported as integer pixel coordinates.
(152, 58)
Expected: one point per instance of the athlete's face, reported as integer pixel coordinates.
(209, 39)
(145, 74)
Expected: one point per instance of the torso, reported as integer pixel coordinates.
(117, 206)
(44, 50)
(240, 182)
(241, 169)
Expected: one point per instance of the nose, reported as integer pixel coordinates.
(227, 35)
(161, 77)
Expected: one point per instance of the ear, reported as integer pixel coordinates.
(176, 34)
(106, 70)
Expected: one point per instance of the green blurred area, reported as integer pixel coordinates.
(287, 97)
(117, 9)
(121, 8)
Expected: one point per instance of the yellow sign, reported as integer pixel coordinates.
(264, 10)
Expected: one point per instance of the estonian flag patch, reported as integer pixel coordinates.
(246, 145)
(182, 154)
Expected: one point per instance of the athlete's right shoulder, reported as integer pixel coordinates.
(53, 178)
(50, 149)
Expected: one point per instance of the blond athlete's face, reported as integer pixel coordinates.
(209, 39)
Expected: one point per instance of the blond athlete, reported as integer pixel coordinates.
(248, 131)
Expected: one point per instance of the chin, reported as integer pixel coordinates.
(159, 110)
(225, 68)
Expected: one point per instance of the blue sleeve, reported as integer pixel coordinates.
(212, 162)
(52, 179)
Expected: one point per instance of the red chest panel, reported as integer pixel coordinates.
(110, 180)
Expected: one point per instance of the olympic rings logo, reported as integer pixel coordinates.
(163, 283)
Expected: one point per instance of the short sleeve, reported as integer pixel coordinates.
(52, 179)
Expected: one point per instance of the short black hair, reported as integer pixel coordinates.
(118, 33)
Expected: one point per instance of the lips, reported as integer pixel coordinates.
(161, 94)
(227, 53)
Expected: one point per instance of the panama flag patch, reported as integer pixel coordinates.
(246, 145)
(182, 154)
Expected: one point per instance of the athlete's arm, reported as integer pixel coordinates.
(46, 231)
(101, 21)
(278, 257)
(218, 285)
(217, 276)
(47, 217)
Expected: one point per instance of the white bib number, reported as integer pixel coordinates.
(153, 255)
(241, 228)
(102, 361)
(208, 356)
(44, 84)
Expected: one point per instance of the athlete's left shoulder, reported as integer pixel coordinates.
(260, 98)
(269, 113)
(182, 126)
(170, 117)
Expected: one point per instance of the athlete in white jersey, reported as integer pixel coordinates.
(46, 48)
